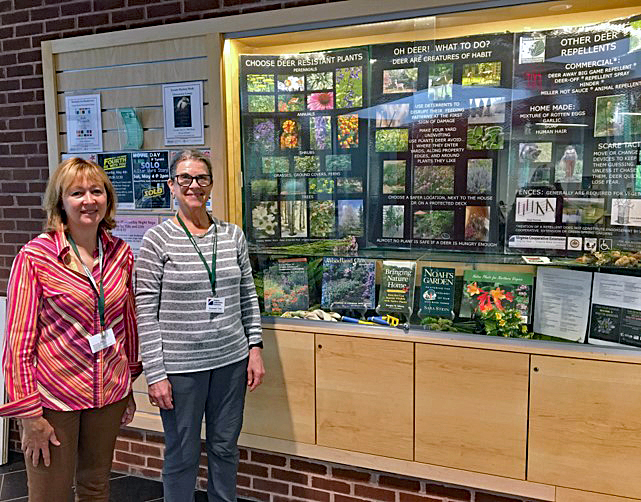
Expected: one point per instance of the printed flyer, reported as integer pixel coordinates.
(397, 287)
(286, 286)
(117, 166)
(573, 170)
(304, 145)
(348, 283)
(437, 292)
(487, 290)
(150, 175)
(439, 122)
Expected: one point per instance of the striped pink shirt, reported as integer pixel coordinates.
(52, 310)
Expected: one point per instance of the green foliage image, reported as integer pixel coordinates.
(433, 224)
(485, 137)
(392, 140)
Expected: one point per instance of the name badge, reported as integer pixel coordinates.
(102, 340)
(215, 305)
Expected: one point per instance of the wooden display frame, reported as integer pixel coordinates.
(210, 49)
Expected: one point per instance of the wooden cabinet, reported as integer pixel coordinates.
(585, 425)
(471, 409)
(365, 395)
(283, 406)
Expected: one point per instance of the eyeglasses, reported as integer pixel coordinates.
(184, 180)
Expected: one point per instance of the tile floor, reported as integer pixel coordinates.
(124, 488)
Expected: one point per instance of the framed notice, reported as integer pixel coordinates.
(183, 113)
(84, 123)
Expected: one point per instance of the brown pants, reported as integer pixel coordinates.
(87, 439)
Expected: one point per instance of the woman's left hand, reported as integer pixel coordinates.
(128, 414)
(255, 368)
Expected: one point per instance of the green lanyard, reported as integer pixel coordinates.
(210, 271)
(99, 290)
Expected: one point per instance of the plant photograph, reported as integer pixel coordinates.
(482, 74)
(635, 36)
(259, 188)
(341, 162)
(495, 296)
(392, 140)
(260, 83)
(400, 80)
(350, 217)
(260, 103)
(609, 115)
(321, 218)
(477, 223)
(479, 176)
(320, 81)
(393, 221)
(262, 137)
(292, 186)
(392, 115)
(293, 218)
(306, 164)
(348, 131)
(320, 132)
(291, 83)
(485, 137)
(273, 165)
(431, 180)
(321, 186)
(440, 80)
(290, 134)
(486, 111)
(348, 283)
(264, 219)
(433, 224)
(286, 289)
(583, 211)
(320, 101)
(291, 102)
(349, 87)
(349, 185)
(394, 176)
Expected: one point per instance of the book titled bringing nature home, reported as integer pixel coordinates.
(397, 287)
(486, 290)
(286, 286)
(437, 292)
(348, 283)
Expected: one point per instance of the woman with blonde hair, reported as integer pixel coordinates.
(71, 344)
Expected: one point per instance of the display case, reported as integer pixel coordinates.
(424, 168)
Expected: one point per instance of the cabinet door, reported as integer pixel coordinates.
(364, 395)
(585, 425)
(471, 409)
(283, 406)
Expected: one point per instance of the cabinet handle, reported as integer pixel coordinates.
(320, 346)
(536, 369)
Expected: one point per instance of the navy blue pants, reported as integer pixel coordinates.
(219, 395)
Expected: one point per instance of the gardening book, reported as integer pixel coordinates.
(348, 283)
(437, 292)
(397, 287)
(286, 286)
(486, 290)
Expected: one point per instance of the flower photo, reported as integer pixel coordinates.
(260, 83)
(400, 80)
(291, 83)
(322, 218)
(321, 185)
(320, 132)
(479, 176)
(306, 164)
(349, 87)
(431, 180)
(320, 81)
(477, 223)
(290, 134)
(264, 220)
(350, 217)
(262, 136)
(348, 131)
(291, 102)
(320, 101)
(273, 165)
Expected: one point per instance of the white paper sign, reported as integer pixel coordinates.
(183, 113)
(562, 303)
(84, 123)
(132, 228)
(620, 291)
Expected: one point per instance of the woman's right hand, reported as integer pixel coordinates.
(36, 435)
(160, 394)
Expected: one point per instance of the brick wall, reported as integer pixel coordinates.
(23, 143)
